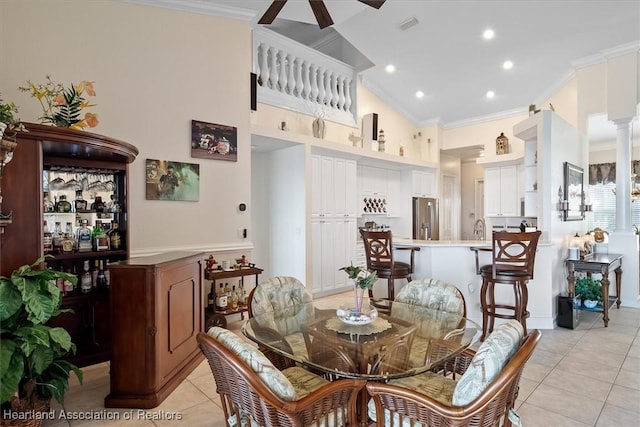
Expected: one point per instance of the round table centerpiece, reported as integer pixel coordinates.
(351, 316)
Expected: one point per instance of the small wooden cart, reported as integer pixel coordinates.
(216, 317)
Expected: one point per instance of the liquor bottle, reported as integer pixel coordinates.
(114, 205)
(47, 240)
(102, 279)
(233, 299)
(98, 205)
(79, 203)
(85, 285)
(63, 205)
(244, 298)
(68, 243)
(211, 298)
(57, 238)
(227, 290)
(74, 288)
(60, 281)
(48, 204)
(84, 237)
(221, 299)
(68, 286)
(115, 237)
(100, 238)
(94, 275)
(107, 273)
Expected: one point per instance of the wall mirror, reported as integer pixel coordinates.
(573, 190)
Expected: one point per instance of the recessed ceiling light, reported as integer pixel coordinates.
(419, 94)
(390, 68)
(507, 65)
(490, 94)
(488, 34)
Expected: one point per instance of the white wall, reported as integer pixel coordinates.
(154, 71)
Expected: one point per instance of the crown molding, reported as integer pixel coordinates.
(606, 54)
(198, 6)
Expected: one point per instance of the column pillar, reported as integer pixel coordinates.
(623, 175)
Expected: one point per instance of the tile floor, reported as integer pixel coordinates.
(589, 376)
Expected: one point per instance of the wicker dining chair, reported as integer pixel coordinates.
(254, 392)
(482, 393)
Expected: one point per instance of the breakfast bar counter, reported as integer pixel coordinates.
(453, 261)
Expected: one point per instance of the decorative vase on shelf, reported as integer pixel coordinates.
(318, 128)
(381, 141)
(502, 144)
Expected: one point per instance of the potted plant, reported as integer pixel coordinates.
(32, 364)
(589, 291)
(362, 280)
(9, 123)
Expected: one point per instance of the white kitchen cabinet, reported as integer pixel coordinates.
(394, 190)
(373, 181)
(333, 246)
(333, 188)
(323, 250)
(501, 191)
(423, 183)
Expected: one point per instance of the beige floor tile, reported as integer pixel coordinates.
(535, 371)
(526, 388)
(614, 416)
(578, 384)
(533, 416)
(202, 370)
(186, 395)
(625, 397)
(629, 379)
(545, 358)
(631, 364)
(594, 344)
(571, 405)
(605, 358)
(555, 346)
(589, 368)
(634, 350)
(207, 386)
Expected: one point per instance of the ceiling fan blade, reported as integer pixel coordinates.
(373, 3)
(272, 12)
(321, 13)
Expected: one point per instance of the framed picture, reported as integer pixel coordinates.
(212, 141)
(573, 192)
(167, 180)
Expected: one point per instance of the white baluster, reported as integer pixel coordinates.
(264, 66)
(306, 82)
(273, 69)
(321, 87)
(340, 103)
(334, 89)
(299, 83)
(347, 95)
(327, 87)
(291, 83)
(282, 75)
(313, 78)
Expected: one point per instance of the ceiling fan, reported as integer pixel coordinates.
(319, 10)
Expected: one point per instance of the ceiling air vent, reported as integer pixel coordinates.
(405, 25)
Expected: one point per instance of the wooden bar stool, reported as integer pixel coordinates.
(514, 255)
(378, 249)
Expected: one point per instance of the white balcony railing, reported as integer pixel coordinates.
(294, 76)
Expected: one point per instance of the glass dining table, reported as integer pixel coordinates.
(402, 341)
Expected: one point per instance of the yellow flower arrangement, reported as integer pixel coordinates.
(62, 106)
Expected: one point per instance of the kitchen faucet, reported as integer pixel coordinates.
(479, 230)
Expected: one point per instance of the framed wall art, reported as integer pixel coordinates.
(167, 180)
(212, 141)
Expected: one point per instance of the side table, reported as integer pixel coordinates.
(602, 264)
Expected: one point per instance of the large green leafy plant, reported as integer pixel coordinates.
(588, 289)
(32, 365)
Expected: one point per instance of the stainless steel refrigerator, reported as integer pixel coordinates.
(425, 219)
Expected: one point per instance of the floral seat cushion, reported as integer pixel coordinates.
(434, 294)
(488, 361)
(281, 303)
